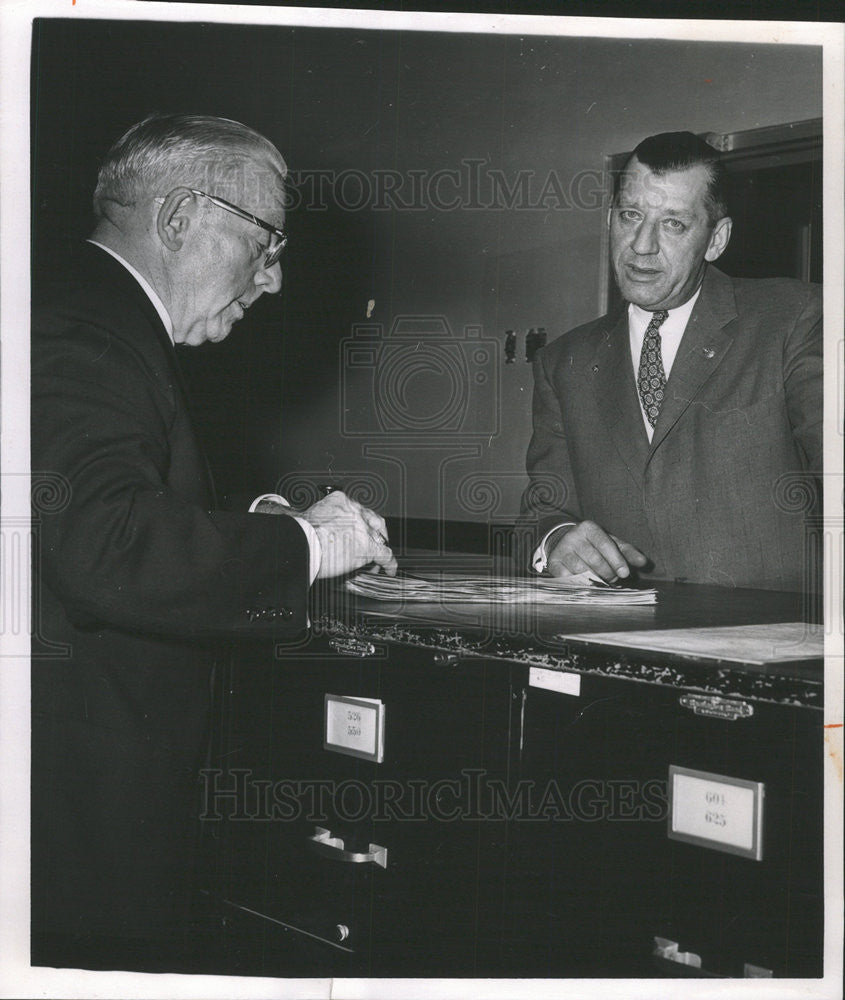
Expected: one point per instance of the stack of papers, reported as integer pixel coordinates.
(470, 588)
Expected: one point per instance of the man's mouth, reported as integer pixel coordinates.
(239, 307)
(639, 273)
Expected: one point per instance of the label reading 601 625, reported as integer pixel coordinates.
(717, 811)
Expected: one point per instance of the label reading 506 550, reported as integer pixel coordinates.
(354, 726)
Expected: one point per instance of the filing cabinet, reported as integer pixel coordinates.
(508, 830)
(343, 865)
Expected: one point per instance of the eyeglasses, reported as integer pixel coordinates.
(278, 237)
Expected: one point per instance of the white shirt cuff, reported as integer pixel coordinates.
(315, 552)
(268, 496)
(540, 559)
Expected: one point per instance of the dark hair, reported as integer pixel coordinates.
(679, 151)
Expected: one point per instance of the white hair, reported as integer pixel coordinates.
(199, 151)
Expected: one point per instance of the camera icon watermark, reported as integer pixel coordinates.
(418, 379)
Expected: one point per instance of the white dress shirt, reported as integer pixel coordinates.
(315, 554)
(671, 331)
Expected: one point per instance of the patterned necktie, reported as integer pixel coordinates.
(651, 379)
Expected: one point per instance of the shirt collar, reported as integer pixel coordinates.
(151, 293)
(677, 318)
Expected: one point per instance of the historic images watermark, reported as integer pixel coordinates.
(472, 185)
(27, 502)
(474, 795)
(387, 368)
(800, 494)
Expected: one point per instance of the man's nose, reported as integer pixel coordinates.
(269, 279)
(645, 238)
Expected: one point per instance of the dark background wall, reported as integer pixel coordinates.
(427, 420)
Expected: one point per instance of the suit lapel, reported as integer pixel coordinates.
(703, 346)
(612, 377)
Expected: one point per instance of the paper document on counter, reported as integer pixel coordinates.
(772, 643)
(479, 588)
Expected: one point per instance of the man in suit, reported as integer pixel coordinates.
(664, 438)
(141, 578)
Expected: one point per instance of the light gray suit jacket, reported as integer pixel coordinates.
(723, 492)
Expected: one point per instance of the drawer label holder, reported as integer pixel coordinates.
(354, 726)
(716, 811)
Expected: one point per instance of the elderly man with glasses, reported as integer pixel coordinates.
(139, 574)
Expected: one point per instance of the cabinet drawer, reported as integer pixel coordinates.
(437, 896)
(604, 869)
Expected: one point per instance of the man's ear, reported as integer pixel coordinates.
(177, 212)
(719, 239)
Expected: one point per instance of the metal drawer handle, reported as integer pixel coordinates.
(750, 971)
(664, 948)
(333, 847)
(717, 708)
(352, 647)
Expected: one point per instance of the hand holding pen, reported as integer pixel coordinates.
(351, 536)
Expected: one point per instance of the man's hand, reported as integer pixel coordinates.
(351, 536)
(587, 547)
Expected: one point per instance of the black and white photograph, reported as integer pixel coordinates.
(422, 504)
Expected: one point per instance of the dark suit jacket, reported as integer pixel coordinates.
(139, 580)
(721, 493)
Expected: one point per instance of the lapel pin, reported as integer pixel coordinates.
(708, 352)
(595, 369)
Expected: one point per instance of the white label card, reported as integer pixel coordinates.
(717, 811)
(555, 680)
(355, 726)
